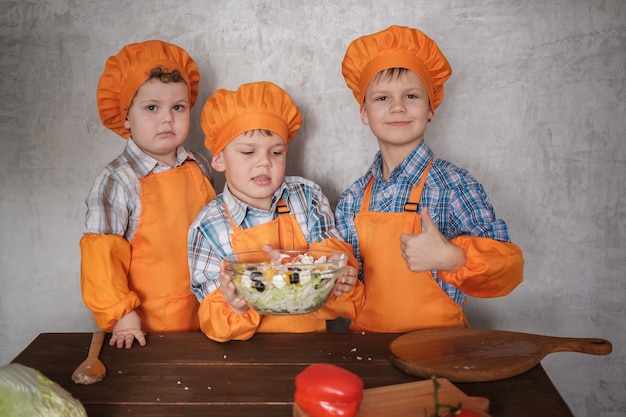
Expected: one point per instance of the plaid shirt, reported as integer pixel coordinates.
(456, 202)
(113, 203)
(209, 235)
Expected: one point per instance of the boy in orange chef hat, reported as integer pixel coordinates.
(423, 230)
(134, 272)
(247, 131)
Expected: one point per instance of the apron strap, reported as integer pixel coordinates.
(282, 208)
(416, 192)
(286, 232)
(412, 205)
(367, 193)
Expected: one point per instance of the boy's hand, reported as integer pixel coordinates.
(236, 303)
(430, 249)
(346, 281)
(126, 330)
(273, 253)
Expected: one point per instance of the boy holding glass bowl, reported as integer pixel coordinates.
(247, 131)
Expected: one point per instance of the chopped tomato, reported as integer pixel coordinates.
(452, 411)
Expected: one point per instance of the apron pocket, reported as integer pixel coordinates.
(181, 313)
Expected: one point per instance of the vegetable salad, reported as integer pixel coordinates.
(292, 284)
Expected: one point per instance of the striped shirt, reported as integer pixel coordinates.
(209, 235)
(113, 203)
(456, 202)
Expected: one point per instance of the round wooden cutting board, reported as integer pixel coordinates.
(479, 355)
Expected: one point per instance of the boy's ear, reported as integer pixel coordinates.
(364, 118)
(217, 163)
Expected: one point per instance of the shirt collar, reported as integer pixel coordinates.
(239, 210)
(412, 166)
(145, 164)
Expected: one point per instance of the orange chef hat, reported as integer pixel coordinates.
(396, 47)
(125, 72)
(258, 105)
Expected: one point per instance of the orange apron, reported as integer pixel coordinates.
(151, 273)
(159, 271)
(220, 323)
(397, 299)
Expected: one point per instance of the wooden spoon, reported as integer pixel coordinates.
(92, 369)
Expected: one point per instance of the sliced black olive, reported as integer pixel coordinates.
(259, 286)
(294, 278)
(256, 276)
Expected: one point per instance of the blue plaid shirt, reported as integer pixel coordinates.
(456, 202)
(209, 235)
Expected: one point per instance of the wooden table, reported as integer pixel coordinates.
(188, 374)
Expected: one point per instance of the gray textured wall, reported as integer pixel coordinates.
(535, 109)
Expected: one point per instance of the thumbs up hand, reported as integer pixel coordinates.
(430, 249)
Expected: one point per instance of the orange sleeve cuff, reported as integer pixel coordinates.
(347, 305)
(492, 268)
(220, 323)
(105, 261)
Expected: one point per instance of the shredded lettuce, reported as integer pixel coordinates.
(291, 299)
(26, 392)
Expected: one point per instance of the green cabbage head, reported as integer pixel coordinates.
(26, 392)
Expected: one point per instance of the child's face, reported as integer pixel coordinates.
(254, 167)
(397, 110)
(158, 118)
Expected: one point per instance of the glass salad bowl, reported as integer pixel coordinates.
(285, 282)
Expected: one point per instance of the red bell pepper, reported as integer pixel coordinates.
(326, 390)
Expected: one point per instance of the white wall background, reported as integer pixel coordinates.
(535, 109)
